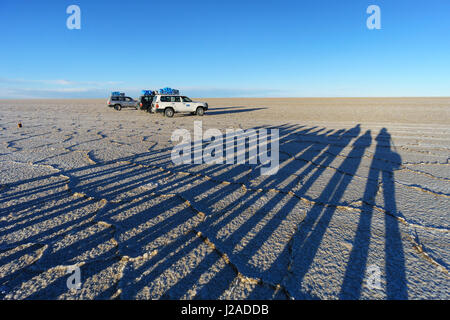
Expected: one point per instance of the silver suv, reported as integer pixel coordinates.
(121, 101)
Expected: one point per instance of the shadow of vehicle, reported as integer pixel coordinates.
(214, 111)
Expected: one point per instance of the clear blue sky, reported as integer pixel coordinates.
(225, 48)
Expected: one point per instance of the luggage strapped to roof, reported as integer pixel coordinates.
(168, 90)
(148, 92)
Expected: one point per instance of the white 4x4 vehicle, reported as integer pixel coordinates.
(169, 104)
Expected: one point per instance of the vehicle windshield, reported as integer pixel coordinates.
(186, 99)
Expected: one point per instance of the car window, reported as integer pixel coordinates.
(186, 99)
(114, 99)
(176, 99)
(128, 99)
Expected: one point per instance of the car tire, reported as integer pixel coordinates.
(118, 107)
(200, 111)
(168, 112)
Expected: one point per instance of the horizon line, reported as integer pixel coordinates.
(273, 97)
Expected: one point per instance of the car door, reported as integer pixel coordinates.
(178, 105)
(187, 104)
(153, 103)
(167, 102)
(148, 101)
(114, 100)
(129, 102)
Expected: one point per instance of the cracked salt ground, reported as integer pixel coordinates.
(416, 206)
(100, 281)
(114, 181)
(82, 185)
(186, 268)
(92, 241)
(149, 223)
(257, 233)
(329, 263)
(431, 184)
(438, 171)
(58, 159)
(45, 221)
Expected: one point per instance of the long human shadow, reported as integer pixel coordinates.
(254, 244)
(118, 175)
(319, 145)
(105, 175)
(309, 235)
(384, 163)
(183, 285)
(322, 158)
(343, 137)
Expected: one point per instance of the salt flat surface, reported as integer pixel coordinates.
(363, 185)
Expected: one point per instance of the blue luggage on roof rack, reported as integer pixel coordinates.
(168, 90)
(147, 92)
(117, 93)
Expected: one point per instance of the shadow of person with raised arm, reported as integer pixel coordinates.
(381, 173)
